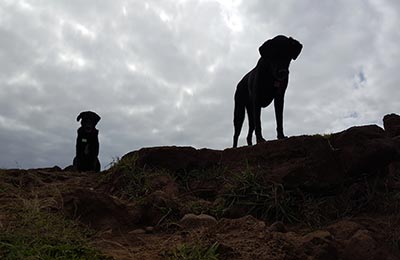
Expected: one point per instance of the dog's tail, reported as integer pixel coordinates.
(238, 114)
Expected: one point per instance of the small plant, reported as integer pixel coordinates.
(193, 252)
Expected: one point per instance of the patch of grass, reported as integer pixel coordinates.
(198, 207)
(130, 181)
(264, 200)
(207, 175)
(36, 234)
(201, 183)
(249, 193)
(5, 188)
(193, 252)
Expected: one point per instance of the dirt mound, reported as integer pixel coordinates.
(98, 210)
(175, 158)
(308, 162)
(307, 197)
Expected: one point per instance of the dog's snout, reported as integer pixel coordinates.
(282, 73)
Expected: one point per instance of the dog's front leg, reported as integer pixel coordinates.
(278, 104)
(257, 123)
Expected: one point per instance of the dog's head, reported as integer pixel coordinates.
(89, 120)
(278, 52)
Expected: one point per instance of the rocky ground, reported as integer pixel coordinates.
(307, 197)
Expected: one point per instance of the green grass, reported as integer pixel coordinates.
(130, 182)
(249, 192)
(265, 200)
(193, 252)
(36, 234)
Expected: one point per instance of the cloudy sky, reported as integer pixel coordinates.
(164, 72)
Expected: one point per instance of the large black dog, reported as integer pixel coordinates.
(266, 82)
(87, 143)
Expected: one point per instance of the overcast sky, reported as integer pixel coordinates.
(164, 72)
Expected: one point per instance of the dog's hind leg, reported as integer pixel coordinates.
(241, 99)
(251, 125)
(238, 118)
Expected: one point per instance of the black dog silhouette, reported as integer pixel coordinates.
(87, 143)
(266, 82)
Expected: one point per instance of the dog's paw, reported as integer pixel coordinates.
(260, 140)
(249, 141)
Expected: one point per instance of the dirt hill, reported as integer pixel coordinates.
(306, 197)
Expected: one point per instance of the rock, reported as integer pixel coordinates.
(149, 230)
(317, 237)
(277, 226)
(391, 123)
(319, 245)
(344, 229)
(248, 222)
(191, 221)
(138, 231)
(361, 246)
(363, 150)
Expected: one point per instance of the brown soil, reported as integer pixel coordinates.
(334, 197)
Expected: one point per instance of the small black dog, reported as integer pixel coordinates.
(266, 82)
(87, 143)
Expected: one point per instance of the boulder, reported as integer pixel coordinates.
(363, 150)
(319, 245)
(361, 246)
(391, 123)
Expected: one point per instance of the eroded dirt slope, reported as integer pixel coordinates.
(307, 197)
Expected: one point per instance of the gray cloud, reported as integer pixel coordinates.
(164, 72)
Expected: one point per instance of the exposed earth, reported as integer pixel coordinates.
(324, 197)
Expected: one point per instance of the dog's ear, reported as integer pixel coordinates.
(295, 48)
(266, 49)
(80, 116)
(89, 114)
(96, 118)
